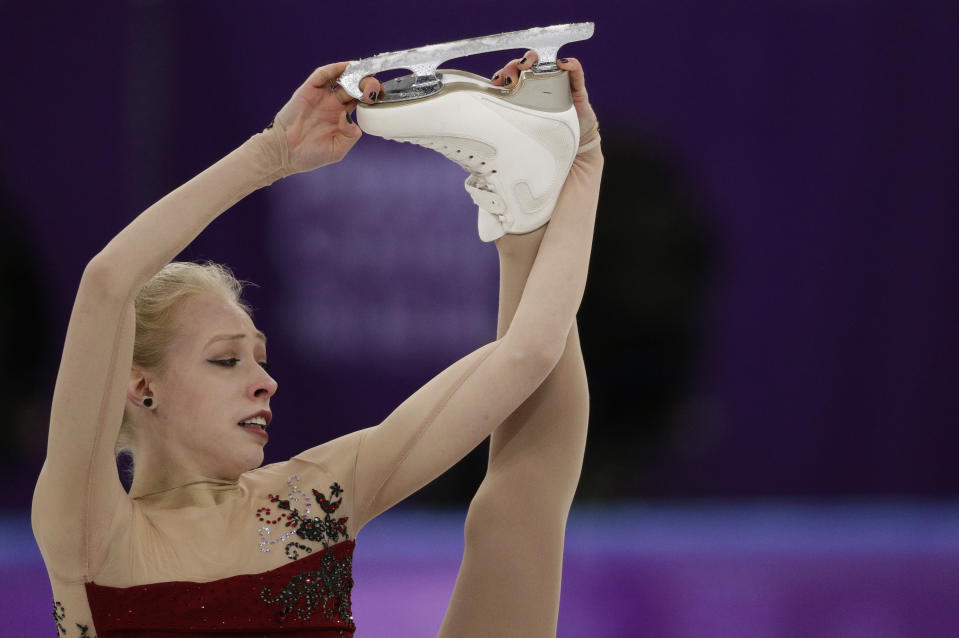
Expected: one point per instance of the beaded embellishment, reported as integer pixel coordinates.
(325, 530)
(59, 614)
(333, 582)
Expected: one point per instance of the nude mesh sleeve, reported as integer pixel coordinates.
(78, 500)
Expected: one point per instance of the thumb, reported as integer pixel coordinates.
(348, 126)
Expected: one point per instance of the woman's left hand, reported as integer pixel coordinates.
(316, 119)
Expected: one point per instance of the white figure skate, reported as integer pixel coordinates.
(517, 143)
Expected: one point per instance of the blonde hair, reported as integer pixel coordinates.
(155, 305)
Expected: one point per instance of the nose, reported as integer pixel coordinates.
(264, 386)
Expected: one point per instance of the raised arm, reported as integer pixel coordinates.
(461, 406)
(78, 492)
(557, 280)
(310, 131)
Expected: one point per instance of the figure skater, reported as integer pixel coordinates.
(163, 360)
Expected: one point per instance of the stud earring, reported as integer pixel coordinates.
(148, 402)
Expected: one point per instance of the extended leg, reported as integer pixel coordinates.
(509, 580)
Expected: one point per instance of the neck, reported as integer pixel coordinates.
(199, 493)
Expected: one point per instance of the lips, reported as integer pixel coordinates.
(258, 431)
(261, 419)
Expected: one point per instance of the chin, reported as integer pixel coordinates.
(249, 460)
(255, 461)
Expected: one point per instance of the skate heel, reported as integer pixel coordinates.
(542, 91)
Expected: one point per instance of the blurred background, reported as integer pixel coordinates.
(769, 326)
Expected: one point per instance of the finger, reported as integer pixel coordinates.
(320, 83)
(577, 79)
(512, 70)
(340, 93)
(347, 124)
(507, 75)
(322, 76)
(529, 59)
(370, 87)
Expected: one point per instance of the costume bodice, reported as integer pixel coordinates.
(263, 562)
(306, 597)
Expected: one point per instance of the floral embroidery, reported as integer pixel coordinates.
(328, 587)
(291, 548)
(332, 582)
(296, 495)
(59, 614)
(326, 530)
(329, 529)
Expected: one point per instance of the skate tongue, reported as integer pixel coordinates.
(489, 226)
(486, 200)
(491, 206)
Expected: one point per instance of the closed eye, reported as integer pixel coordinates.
(232, 361)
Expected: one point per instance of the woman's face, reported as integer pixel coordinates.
(214, 378)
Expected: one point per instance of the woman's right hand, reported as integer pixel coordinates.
(315, 121)
(509, 75)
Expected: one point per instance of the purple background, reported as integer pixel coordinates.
(772, 303)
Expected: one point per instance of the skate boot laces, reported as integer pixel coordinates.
(480, 179)
(476, 158)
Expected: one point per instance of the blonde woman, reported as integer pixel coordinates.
(163, 360)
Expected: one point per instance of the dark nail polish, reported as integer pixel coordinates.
(509, 81)
(372, 95)
(349, 120)
(523, 61)
(563, 60)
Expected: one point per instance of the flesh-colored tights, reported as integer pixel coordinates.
(509, 580)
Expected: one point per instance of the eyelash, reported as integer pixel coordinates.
(232, 361)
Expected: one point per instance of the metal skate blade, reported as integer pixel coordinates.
(423, 61)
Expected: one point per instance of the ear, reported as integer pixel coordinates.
(139, 387)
